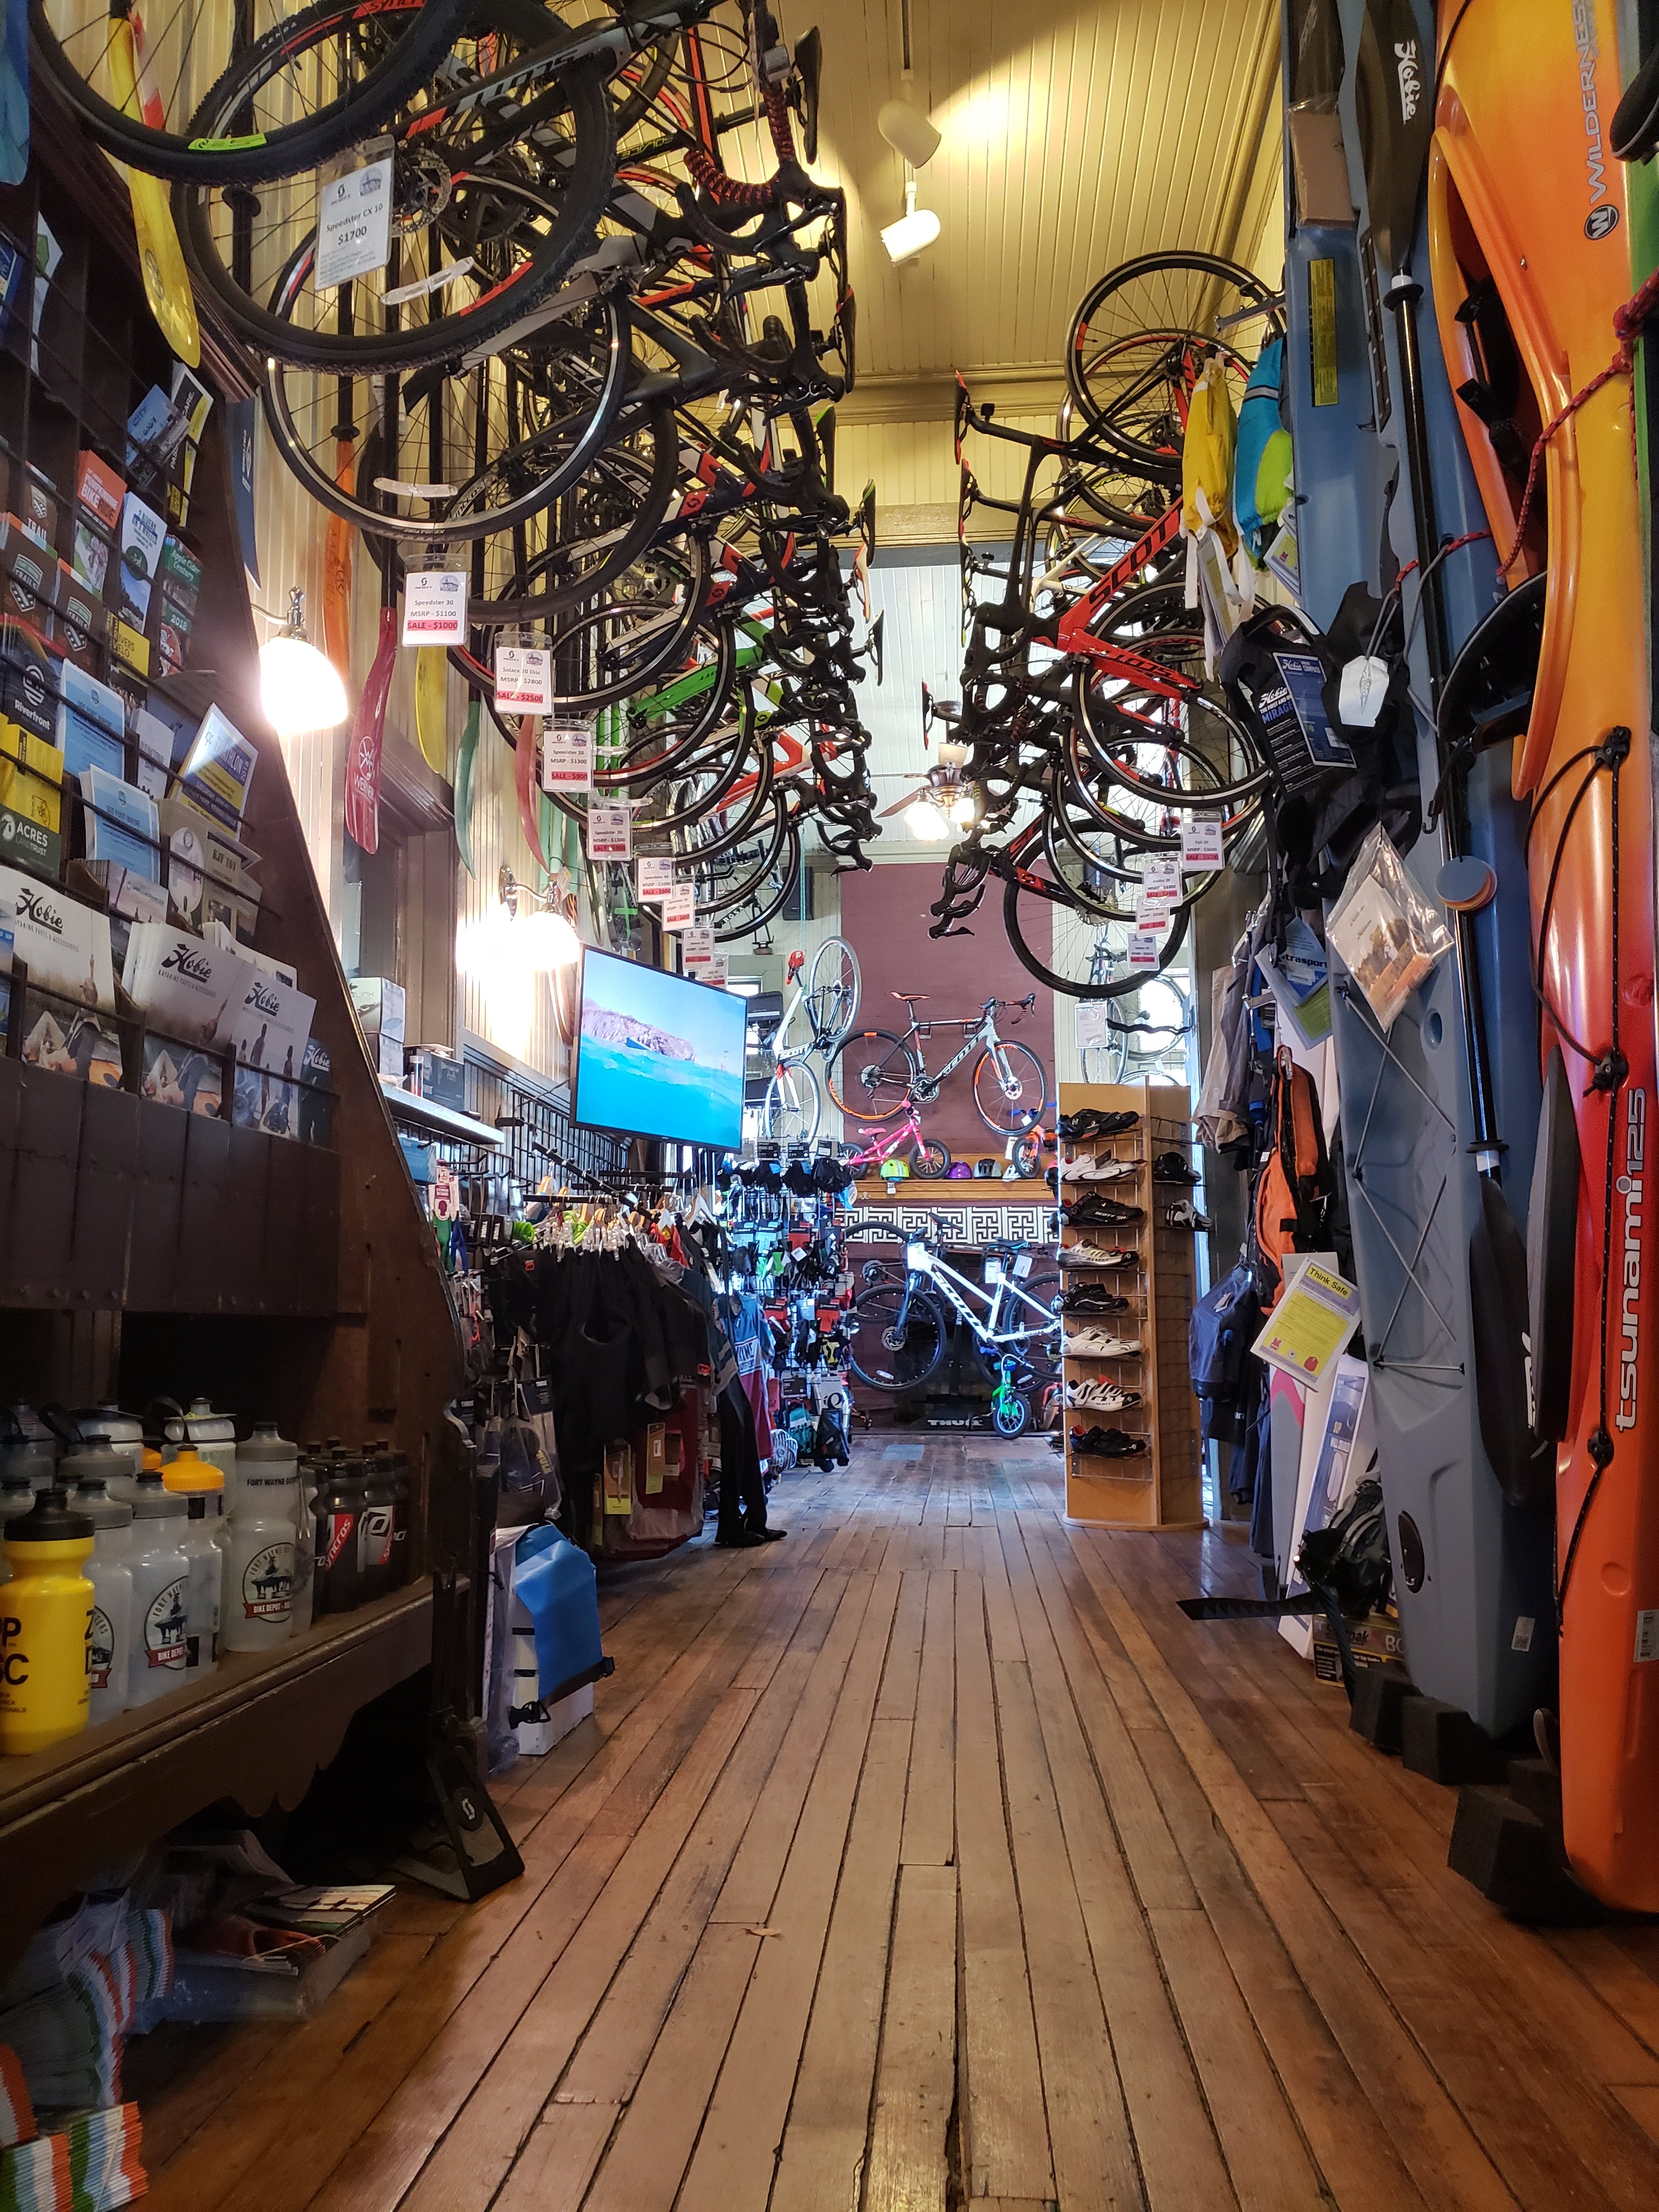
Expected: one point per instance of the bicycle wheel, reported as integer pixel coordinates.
(1011, 1413)
(1137, 341)
(832, 993)
(871, 1074)
(930, 1160)
(793, 1108)
(1073, 952)
(381, 58)
(1011, 1107)
(480, 262)
(890, 1353)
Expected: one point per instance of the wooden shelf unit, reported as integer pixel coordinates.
(1162, 1489)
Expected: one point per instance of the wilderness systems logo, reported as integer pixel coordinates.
(1410, 74)
(194, 967)
(1603, 217)
(1629, 1186)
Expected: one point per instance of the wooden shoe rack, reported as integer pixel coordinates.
(1162, 1489)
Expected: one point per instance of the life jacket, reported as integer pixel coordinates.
(1262, 456)
(1294, 1184)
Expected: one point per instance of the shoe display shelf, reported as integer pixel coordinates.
(1162, 1487)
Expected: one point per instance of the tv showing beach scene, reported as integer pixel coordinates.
(659, 1056)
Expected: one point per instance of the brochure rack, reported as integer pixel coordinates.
(1161, 1488)
(146, 1250)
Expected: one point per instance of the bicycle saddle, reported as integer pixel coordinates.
(912, 998)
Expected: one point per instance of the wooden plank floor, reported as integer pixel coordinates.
(935, 1855)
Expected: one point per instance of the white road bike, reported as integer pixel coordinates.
(822, 1007)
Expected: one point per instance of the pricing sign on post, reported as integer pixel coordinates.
(524, 680)
(1201, 843)
(610, 829)
(679, 907)
(567, 756)
(656, 875)
(354, 223)
(434, 606)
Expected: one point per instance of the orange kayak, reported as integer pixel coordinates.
(1529, 231)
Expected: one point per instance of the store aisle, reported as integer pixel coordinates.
(934, 1854)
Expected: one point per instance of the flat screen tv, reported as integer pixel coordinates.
(657, 1055)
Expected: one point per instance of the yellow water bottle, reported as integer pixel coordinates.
(46, 1625)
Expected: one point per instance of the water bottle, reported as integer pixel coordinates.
(202, 1486)
(261, 1542)
(45, 1620)
(91, 1468)
(160, 1567)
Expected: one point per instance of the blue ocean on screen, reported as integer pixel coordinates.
(659, 1054)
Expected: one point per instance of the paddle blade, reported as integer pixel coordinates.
(1393, 94)
(431, 702)
(523, 776)
(1498, 1317)
(466, 758)
(338, 546)
(161, 259)
(362, 808)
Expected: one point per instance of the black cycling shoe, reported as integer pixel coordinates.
(1100, 1213)
(1095, 1121)
(1173, 1167)
(1092, 1298)
(1107, 1443)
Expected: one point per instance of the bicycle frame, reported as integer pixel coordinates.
(921, 1261)
(908, 1132)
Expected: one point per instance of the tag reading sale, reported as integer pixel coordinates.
(656, 875)
(434, 606)
(524, 680)
(679, 907)
(566, 757)
(610, 829)
(1200, 843)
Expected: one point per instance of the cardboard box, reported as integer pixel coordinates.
(380, 1004)
(1320, 165)
(1376, 1641)
(437, 1076)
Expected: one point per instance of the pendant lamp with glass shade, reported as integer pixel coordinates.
(300, 687)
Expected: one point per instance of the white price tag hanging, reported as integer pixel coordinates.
(1152, 914)
(354, 223)
(434, 606)
(1146, 948)
(713, 969)
(1089, 1024)
(610, 829)
(656, 875)
(1160, 879)
(524, 680)
(698, 945)
(1201, 843)
(567, 756)
(679, 907)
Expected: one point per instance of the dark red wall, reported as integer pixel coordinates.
(884, 918)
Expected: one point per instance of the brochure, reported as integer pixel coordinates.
(189, 991)
(64, 945)
(272, 1028)
(218, 769)
(122, 824)
(1311, 1323)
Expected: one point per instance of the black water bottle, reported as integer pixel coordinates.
(338, 1509)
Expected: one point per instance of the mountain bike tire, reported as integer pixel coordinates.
(192, 157)
(1068, 985)
(587, 182)
(887, 1066)
(907, 1363)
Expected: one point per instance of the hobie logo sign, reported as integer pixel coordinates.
(1411, 77)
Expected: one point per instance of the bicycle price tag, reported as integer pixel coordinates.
(1022, 1267)
(714, 970)
(698, 948)
(524, 680)
(916, 1255)
(354, 224)
(1201, 843)
(610, 829)
(1146, 948)
(567, 756)
(434, 606)
(993, 1271)
(1090, 1025)
(1152, 915)
(679, 906)
(1160, 879)
(656, 875)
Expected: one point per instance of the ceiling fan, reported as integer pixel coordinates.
(943, 802)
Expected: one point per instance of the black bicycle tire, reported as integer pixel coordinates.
(668, 643)
(437, 530)
(922, 1300)
(1141, 265)
(749, 923)
(855, 1036)
(1000, 1426)
(1222, 795)
(589, 181)
(783, 820)
(1066, 985)
(930, 1158)
(296, 146)
(1010, 1045)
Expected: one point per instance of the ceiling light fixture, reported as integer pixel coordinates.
(300, 687)
(915, 230)
(908, 132)
(927, 820)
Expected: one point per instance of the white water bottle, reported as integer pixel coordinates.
(260, 1545)
(160, 1567)
(109, 1643)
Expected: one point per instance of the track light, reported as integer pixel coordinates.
(908, 132)
(915, 231)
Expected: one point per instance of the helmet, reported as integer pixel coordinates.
(959, 1171)
(987, 1167)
